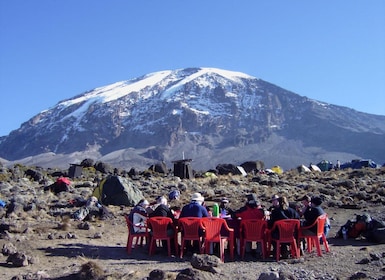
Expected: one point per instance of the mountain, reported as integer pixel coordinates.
(205, 114)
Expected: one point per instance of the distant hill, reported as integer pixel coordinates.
(209, 115)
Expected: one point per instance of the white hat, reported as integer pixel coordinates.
(197, 197)
(144, 203)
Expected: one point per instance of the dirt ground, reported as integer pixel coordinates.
(59, 253)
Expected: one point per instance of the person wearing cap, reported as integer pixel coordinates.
(224, 208)
(274, 202)
(195, 207)
(251, 210)
(138, 216)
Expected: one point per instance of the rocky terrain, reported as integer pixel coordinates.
(40, 240)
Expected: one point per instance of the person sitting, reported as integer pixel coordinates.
(138, 216)
(310, 216)
(195, 207)
(251, 210)
(162, 210)
(281, 211)
(224, 208)
(274, 202)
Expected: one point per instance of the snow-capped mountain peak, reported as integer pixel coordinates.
(210, 112)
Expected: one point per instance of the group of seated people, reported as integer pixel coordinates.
(307, 211)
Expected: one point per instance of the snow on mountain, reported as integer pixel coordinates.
(210, 113)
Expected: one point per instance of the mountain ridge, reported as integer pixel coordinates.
(202, 112)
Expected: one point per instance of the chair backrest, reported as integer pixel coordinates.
(212, 227)
(321, 220)
(130, 226)
(253, 228)
(190, 226)
(287, 229)
(159, 226)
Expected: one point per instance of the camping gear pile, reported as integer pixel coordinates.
(363, 225)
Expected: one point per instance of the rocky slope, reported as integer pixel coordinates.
(39, 225)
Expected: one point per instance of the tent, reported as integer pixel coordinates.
(302, 168)
(314, 167)
(116, 190)
(325, 165)
(277, 169)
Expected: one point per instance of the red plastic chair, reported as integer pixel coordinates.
(138, 236)
(314, 239)
(288, 233)
(212, 229)
(159, 227)
(189, 226)
(253, 230)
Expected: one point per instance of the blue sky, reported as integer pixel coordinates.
(331, 51)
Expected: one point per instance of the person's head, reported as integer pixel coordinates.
(143, 203)
(274, 200)
(252, 200)
(161, 200)
(174, 195)
(197, 197)
(224, 201)
(316, 201)
(306, 200)
(283, 202)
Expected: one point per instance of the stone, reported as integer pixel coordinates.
(206, 262)
(157, 274)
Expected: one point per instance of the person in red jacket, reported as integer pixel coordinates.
(251, 210)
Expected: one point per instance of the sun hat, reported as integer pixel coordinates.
(144, 203)
(197, 197)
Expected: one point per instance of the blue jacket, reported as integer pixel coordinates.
(194, 209)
